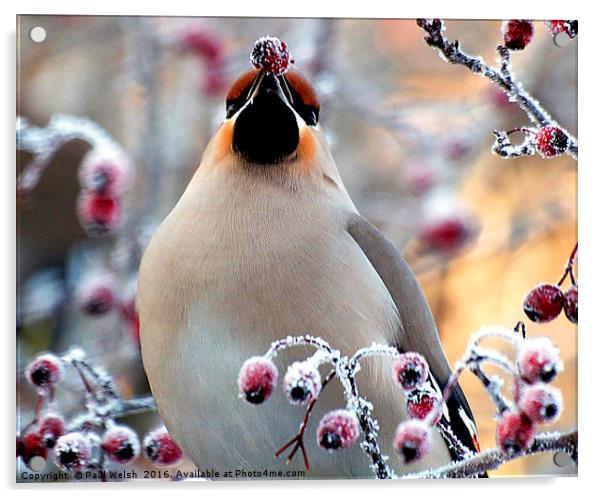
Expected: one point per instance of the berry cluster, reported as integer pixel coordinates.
(93, 437)
(546, 301)
(105, 174)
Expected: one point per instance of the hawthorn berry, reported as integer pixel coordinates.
(423, 402)
(96, 295)
(302, 382)
(44, 371)
(412, 440)
(571, 303)
(338, 429)
(446, 233)
(541, 403)
(202, 42)
(270, 55)
(73, 451)
(518, 33)
(106, 171)
(257, 379)
(32, 446)
(538, 360)
(514, 432)
(160, 449)
(121, 444)
(50, 428)
(99, 214)
(561, 26)
(543, 303)
(551, 141)
(410, 370)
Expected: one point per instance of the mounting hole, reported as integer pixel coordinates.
(562, 39)
(37, 463)
(561, 459)
(37, 34)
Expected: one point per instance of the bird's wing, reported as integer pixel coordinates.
(418, 331)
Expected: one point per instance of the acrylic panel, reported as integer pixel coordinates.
(270, 248)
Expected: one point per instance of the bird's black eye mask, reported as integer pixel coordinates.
(297, 89)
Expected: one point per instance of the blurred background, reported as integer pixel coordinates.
(411, 136)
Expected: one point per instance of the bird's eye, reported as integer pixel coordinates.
(305, 99)
(238, 92)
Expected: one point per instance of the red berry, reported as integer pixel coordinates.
(446, 233)
(257, 379)
(106, 171)
(541, 403)
(96, 295)
(44, 371)
(543, 303)
(202, 42)
(514, 432)
(302, 382)
(121, 444)
(570, 303)
(73, 451)
(338, 429)
(412, 440)
(32, 446)
(518, 33)
(161, 449)
(551, 141)
(270, 55)
(99, 214)
(50, 428)
(538, 360)
(423, 402)
(410, 370)
(560, 26)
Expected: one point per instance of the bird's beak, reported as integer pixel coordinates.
(265, 83)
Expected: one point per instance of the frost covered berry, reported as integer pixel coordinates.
(338, 429)
(96, 295)
(514, 432)
(271, 55)
(551, 141)
(571, 303)
(410, 370)
(538, 360)
(31, 446)
(412, 440)
(98, 214)
(541, 403)
(121, 444)
(257, 379)
(50, 428)
(160, 449)
(518, 33)
(423, 402)
(106, 171)
(302, 382)
(44, 371)
(73, 451)
(543, 303)
(560, 26)
(446, 233)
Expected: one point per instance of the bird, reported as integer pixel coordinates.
(266, 242)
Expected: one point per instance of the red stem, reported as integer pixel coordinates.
(568, 269)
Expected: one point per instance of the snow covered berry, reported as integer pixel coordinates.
(99, 214)
(410, 370)
(514, 432)
(518, 33)
(413, 440)
(50, 428)
(561, 26)
(44, 371)
(121, 444)
(551, 141)
(32, 446)
(271, 55)
(541, 403)
(96, 294)
(423, 402)
(160, 449)
(338, 429)
(543, 303)
(257, 379)
(73, 451)
(106, 170)
(571, 303)
(302, 382)
(538, 360)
